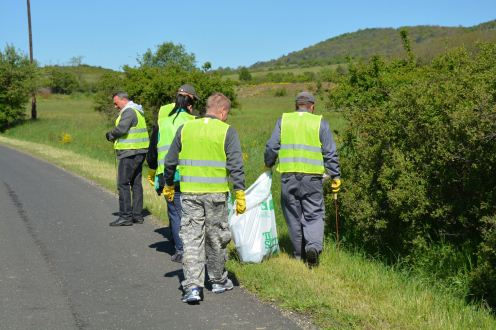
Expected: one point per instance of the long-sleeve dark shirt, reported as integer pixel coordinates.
(152, 155)
(329, 152)
(234, 158)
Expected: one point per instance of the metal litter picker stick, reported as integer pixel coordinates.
(335, 197)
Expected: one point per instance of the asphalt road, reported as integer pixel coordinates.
(63, 267)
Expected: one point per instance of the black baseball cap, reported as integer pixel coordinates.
(188, 89)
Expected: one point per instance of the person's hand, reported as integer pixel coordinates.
(108, 136)
(240, 201)
(335, 185)
(168, 193)
(150, 177)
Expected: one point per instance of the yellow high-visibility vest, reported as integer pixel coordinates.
(202, 160)
(301, 149)
(164, 110)
(167, 128)
(136, 138)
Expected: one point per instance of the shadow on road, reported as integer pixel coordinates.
(144, 213)
(166, 246)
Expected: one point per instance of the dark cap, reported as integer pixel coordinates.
(305, 97)
(188, 89)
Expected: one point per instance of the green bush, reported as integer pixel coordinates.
(168, 54)
(419, 153)
(483, 279)
(17, 80)
(61, 81)
(155, 86)
(280, 92)
(244, 74)
(108, 84)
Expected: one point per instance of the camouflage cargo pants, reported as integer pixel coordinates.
(205, 235)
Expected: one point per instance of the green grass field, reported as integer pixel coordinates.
(346, 291)
(296, 71)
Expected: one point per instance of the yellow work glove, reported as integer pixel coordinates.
(335, 185)
(151, 177)
(240, 201)
(168, 193)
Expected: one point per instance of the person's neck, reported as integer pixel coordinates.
(212, 115)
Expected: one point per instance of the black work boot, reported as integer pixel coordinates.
(312, 257)
(121, 222)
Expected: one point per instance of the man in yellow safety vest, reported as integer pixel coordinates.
(207, 152)
(306, 150)
(130, 137)
(170, 118)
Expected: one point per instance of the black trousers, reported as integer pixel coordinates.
(129, 184)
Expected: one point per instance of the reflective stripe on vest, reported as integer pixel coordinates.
(137, 136)
(301, 150)
(202, 160)
(167, 128)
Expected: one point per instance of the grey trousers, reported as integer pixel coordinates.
(302, 202)
(205, 235)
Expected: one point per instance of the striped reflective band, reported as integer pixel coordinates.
(133, 140)
(137, 130)
(300, 146)
(161, 161)
(202, 179)
(163, 148)
(204, 163)
(301, 160)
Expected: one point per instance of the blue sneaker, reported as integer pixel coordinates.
(192, 295)
(221, 287)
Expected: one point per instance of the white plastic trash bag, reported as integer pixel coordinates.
(254, 232)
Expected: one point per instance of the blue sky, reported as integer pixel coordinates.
(225, 32)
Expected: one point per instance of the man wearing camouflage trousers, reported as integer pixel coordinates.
(207, 151)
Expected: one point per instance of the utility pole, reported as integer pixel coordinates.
(33, 96)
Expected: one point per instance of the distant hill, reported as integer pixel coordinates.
(427, 42)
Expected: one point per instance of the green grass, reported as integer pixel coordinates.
(346, 291)
(295, 70)
(72, 115)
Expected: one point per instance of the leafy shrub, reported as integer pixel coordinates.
(62, 82)
(419, 153)
(154, 86)
(280, 92)
(169, 54)
(483, 279)
(244, 74)
(17, 80)
(108, 84)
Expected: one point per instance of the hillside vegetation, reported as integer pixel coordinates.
(427, 42)
(71, 78)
